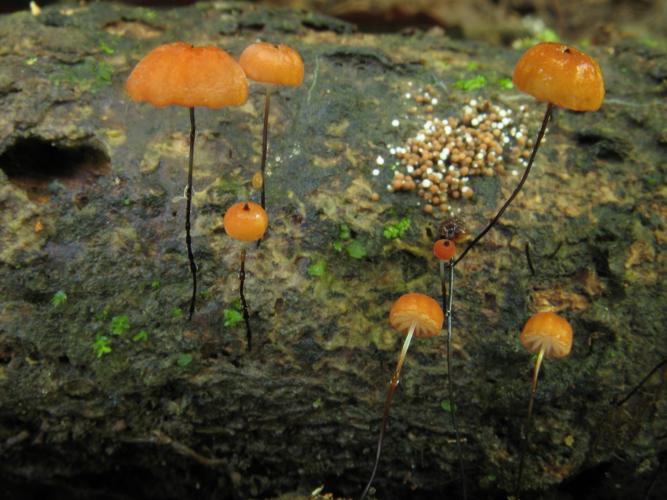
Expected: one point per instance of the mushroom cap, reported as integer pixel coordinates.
(182, 75)
(561, 75)
(420, 308)
(268, 63)
(245, 221)
(549, 330)
(444, 249)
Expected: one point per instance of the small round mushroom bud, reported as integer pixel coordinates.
(444, 249)
(245, 221)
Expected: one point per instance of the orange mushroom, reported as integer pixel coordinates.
(412, 314)
(444, 250)
(182, 75)
(562, 76)
(245, 221)
(544, 334)
(274, 65)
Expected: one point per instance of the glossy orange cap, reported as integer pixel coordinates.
(420, 308)
(268, 63)
(561, 75)
(444, 249)
(182, 75)
(548, 330)
(245, 221)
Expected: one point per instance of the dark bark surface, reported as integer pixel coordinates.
(91, 205)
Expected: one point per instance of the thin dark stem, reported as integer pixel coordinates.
(493, 222)
(642, 382)
(265, 147)
(525, 428)
(448, 315)
(246, 314)
(443, 285)
(265, 142)
(188, 207)
(387, 405)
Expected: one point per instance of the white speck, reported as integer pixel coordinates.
(434, 101)
(408, 95)
(376, 171)
(473, 102)
(515, 172)
(440, 163)
(505, 139)
(429, 171)
(409, 169)
(448, 129)
(379, 160)
(395, 123)
(392, 151)
(426, 183)
(465, 189)
(421, 137)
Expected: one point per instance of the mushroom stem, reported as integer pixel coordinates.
(387, 404)
(540, 136)
(525, 428)
(265, 148)
(265, 142)
(443, 285)
(246, 314)
(188, 207)
(448, 319)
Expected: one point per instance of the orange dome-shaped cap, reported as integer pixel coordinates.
(548, 330)
(419, 308)
(182, 75)
(268, 63)
(561, 75)
(245, 221)
(444, 249)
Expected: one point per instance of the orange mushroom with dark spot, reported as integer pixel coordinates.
(245, 221)
(413, 314)
(273, 65)
(178, 74)
(562, 76)
(547, 335)
(445, 250)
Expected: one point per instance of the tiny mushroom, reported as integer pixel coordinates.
(444, 250)
(413, 314)
(562, 76)
(545, 334)
(245, 221)
(182, 75)
(273, 65)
